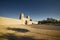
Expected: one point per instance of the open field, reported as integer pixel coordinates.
(29, 32)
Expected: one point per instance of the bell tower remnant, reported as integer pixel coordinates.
(22, 16)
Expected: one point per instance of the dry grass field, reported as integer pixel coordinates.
(29, 32)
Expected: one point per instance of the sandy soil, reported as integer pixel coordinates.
(29, 32)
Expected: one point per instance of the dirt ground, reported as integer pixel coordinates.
(29, 32)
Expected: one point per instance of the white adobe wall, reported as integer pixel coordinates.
(11, 21)
(30, 22)
(34, 22)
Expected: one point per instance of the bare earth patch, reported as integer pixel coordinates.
(28, 32)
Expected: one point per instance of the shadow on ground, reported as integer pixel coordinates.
(13, 37)
(18, 29)
(9, 36)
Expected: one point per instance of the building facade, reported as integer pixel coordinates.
(26, 20)
(21, 21)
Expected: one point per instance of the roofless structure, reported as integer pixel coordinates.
(21, 21)
(26, 20)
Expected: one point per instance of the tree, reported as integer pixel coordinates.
(49, 21)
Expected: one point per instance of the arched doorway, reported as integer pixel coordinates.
(26, 22)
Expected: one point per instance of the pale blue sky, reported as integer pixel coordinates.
(37, 9)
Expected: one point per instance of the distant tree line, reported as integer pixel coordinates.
(49, 21)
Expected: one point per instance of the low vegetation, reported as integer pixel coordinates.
(50, 21)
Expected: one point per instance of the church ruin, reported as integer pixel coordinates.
(21, 21)
(26, 20)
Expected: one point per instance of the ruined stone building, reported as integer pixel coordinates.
(26, 20)
(21, 21)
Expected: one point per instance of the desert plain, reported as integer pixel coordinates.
(29, 32)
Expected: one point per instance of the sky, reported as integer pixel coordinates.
(36, 9)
